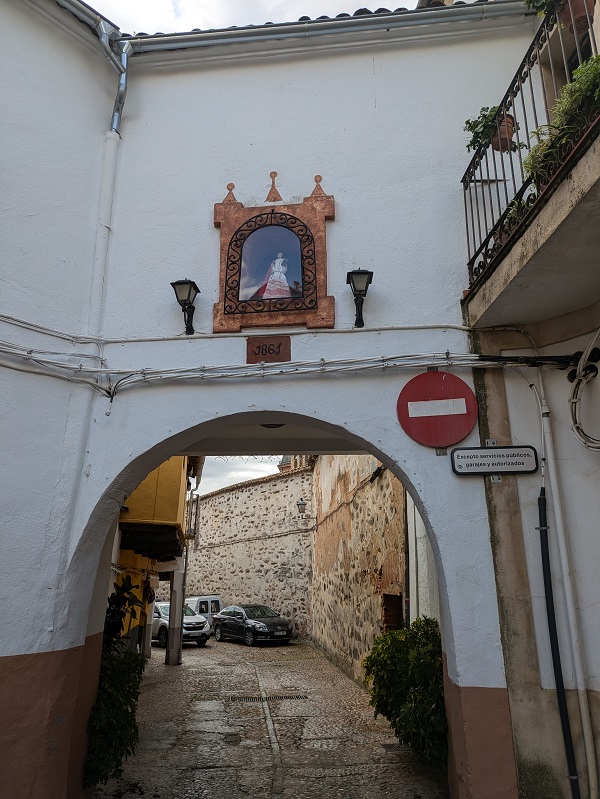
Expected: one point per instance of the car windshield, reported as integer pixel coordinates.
(259, 611)
(163, 610)
(188, 611)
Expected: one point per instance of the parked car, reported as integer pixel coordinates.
(251, 623)
(206, 605)
(195, 628)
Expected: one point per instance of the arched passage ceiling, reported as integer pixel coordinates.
(289, 439)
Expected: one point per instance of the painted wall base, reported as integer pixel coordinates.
(46, 700)
(481, 761)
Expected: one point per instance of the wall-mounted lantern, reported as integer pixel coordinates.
(186, 291)
(359, 280)
(301, 506)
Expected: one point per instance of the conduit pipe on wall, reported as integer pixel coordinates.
(115, 124)
(555, 650)
(105, 30)
(570, 601)
(105, 203)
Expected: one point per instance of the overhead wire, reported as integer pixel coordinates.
(119, 378)
(582, 377)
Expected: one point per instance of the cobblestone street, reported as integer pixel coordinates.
(267, 722)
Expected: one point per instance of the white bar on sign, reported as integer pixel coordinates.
(446, 407)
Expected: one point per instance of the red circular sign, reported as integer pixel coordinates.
(437, 409)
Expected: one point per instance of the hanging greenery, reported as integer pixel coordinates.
(576, 102)
(406, 676)
(113, 733)
(481, 127)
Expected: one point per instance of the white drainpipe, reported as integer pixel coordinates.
(570, 601)
(108, 36)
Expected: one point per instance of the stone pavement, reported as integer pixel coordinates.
(270, 722)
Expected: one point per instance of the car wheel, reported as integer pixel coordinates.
(163, 637)
(249, 637)
(219, 634)
(201, 642)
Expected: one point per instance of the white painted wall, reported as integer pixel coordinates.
(382, 126)
(357, 118)
(424, 593)
(579, 475)
(57, 94)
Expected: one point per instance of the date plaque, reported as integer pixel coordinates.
(268, 349)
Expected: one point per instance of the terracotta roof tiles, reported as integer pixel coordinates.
(360, 12)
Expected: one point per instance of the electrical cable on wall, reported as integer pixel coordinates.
(584, 374)
(121, 378)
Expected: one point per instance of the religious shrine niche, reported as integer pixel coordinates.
(273, 262)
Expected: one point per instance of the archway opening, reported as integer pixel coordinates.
(355, 508)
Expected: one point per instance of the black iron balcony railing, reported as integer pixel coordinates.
(539, 132)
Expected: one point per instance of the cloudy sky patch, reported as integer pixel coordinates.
(219, 472)
(174, 16)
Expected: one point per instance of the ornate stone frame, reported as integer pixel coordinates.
(307, 221)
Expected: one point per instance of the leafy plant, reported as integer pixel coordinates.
(484, 126)
(481, 127)
(584, 86)
(122, 603)
(113, 733)
(405, 671)
(572, 98)
(542, 7)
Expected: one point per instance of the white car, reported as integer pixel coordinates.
(206, 605)
(195, 628)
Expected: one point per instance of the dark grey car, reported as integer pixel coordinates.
(251, 623)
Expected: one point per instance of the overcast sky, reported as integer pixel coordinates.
(172, 16)
(225, 471)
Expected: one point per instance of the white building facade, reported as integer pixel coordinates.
(106, 208)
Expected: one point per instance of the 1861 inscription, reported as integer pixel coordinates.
(268, 349)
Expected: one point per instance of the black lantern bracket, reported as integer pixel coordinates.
(359, 280)
(186, 292)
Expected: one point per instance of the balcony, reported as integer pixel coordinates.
(532, 189)
(152, 521)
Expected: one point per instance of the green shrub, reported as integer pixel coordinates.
(406, 676)
(112, 728)
(583, 92)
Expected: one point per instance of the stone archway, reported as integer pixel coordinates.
(144, 428)
(475, 689)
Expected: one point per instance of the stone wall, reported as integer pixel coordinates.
(358, 555)
(251, 546)
(339, 580)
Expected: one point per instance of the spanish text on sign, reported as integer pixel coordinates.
(494, 460)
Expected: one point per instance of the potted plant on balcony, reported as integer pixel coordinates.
(579, 15)
(572, 112)
(487, 129)
(543, 7)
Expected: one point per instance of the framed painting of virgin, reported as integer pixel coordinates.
(273, 268)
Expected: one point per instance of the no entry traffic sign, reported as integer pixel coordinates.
(437, 409)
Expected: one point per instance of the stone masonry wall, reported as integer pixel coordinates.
(358, 554)
(331, 577)
(252, 546)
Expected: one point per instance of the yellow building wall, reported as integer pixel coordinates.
(160, 498)
(137, 567)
